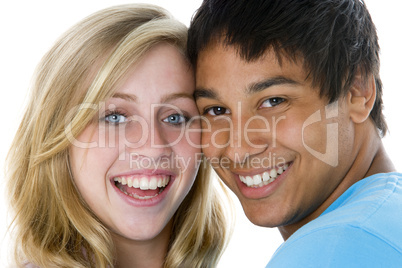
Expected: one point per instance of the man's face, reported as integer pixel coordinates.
(270, 136)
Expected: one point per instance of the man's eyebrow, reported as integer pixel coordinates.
(253, 88)
(124, 96)
(204, 93)
(260, 86)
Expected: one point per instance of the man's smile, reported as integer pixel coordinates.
(262, 179)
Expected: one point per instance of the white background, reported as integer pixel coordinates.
(29, 28)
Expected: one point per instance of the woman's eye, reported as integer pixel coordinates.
(214, 111)
(271, 102)
(175, 119)
(116, 118)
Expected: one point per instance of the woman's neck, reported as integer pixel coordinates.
(142, 254)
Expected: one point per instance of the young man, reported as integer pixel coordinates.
(290, 95)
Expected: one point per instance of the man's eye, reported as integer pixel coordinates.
(175, 119)
(271, 102)
(214, 111)
(116, 118)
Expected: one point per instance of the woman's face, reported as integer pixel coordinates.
(143, 148)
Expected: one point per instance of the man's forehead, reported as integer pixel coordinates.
(218, 45)
(219, 59)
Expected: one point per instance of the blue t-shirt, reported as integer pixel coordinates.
(362, 228)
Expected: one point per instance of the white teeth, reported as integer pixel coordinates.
(144, 183)
(153, 184)
(136, 183)
(265, 176)
(249, 180)
(273, 173)
(257, 179)
(263, 179)
(280, 170)
(285, 167)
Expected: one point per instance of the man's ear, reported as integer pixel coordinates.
(361, 98)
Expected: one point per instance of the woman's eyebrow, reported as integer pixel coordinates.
(170, 97)
(124, 96)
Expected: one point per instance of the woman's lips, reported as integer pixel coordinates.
(140, 186)
(143, 187)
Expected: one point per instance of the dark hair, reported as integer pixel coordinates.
(336, 39)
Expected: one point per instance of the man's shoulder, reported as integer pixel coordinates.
(367, 197)
(364, 221)
(337, 246)
(372, 204)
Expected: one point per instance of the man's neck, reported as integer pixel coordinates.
(371, 159)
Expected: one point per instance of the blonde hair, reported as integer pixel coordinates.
(53, 225)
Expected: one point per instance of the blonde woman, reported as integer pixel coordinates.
(102, 169)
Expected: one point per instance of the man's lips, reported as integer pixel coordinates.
(253, 185)
(263, 178)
